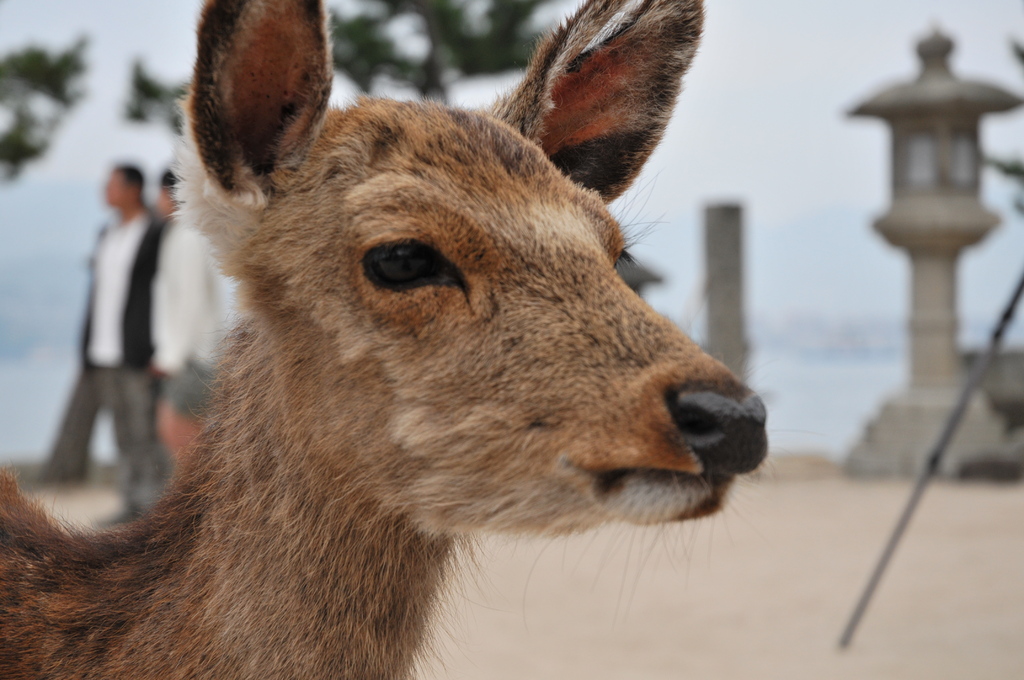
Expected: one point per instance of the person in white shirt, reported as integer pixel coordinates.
(118, 344)
(188, 324)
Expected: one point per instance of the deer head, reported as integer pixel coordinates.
(436, 288)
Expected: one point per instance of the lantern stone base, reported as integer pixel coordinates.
(897, 442)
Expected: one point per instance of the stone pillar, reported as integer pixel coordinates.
(934, 359)
(723, 247)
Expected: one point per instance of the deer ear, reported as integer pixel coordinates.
(600, 90)
(260, 89)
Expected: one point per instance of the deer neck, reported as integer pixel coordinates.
(305, 564)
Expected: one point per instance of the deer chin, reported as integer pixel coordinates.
(652, 495)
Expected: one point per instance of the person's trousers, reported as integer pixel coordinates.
(130, 396)
(69, 459)
(143, 465)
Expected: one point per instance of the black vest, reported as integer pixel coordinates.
(136, 329)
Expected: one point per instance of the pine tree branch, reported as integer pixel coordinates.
(151, 100)
(461, 41)
(37, 89)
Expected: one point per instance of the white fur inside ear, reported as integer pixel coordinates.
(227, 218)
(620, 18)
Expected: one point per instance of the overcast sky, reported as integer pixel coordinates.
(762, 120)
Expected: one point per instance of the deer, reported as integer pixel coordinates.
(434, 345)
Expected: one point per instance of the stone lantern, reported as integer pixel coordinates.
(935, 213)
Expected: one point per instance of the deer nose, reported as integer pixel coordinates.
(727, 435)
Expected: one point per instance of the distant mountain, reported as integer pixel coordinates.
(879, 335)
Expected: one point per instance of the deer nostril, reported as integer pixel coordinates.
(696, 422)
(726, 435)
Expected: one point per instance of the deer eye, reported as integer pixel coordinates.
(408, 265)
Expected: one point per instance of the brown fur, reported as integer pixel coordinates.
(360, 433)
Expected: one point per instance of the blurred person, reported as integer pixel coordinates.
(117, 345)
(188, 321)
(69, 458)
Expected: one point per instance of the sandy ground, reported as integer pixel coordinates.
(760, 591)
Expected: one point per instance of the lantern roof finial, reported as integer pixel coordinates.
(937, 90)
(934, 51)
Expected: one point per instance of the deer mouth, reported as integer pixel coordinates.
(652, 495)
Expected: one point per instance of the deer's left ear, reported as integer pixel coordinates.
(600, 90)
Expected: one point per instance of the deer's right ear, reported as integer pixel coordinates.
(259, 93)
(600, 90)
(260, 88)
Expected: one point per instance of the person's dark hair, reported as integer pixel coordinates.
(168, 180)
(132, 176)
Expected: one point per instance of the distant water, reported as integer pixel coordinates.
(816, 401)
(820, 401)
(33, 394)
